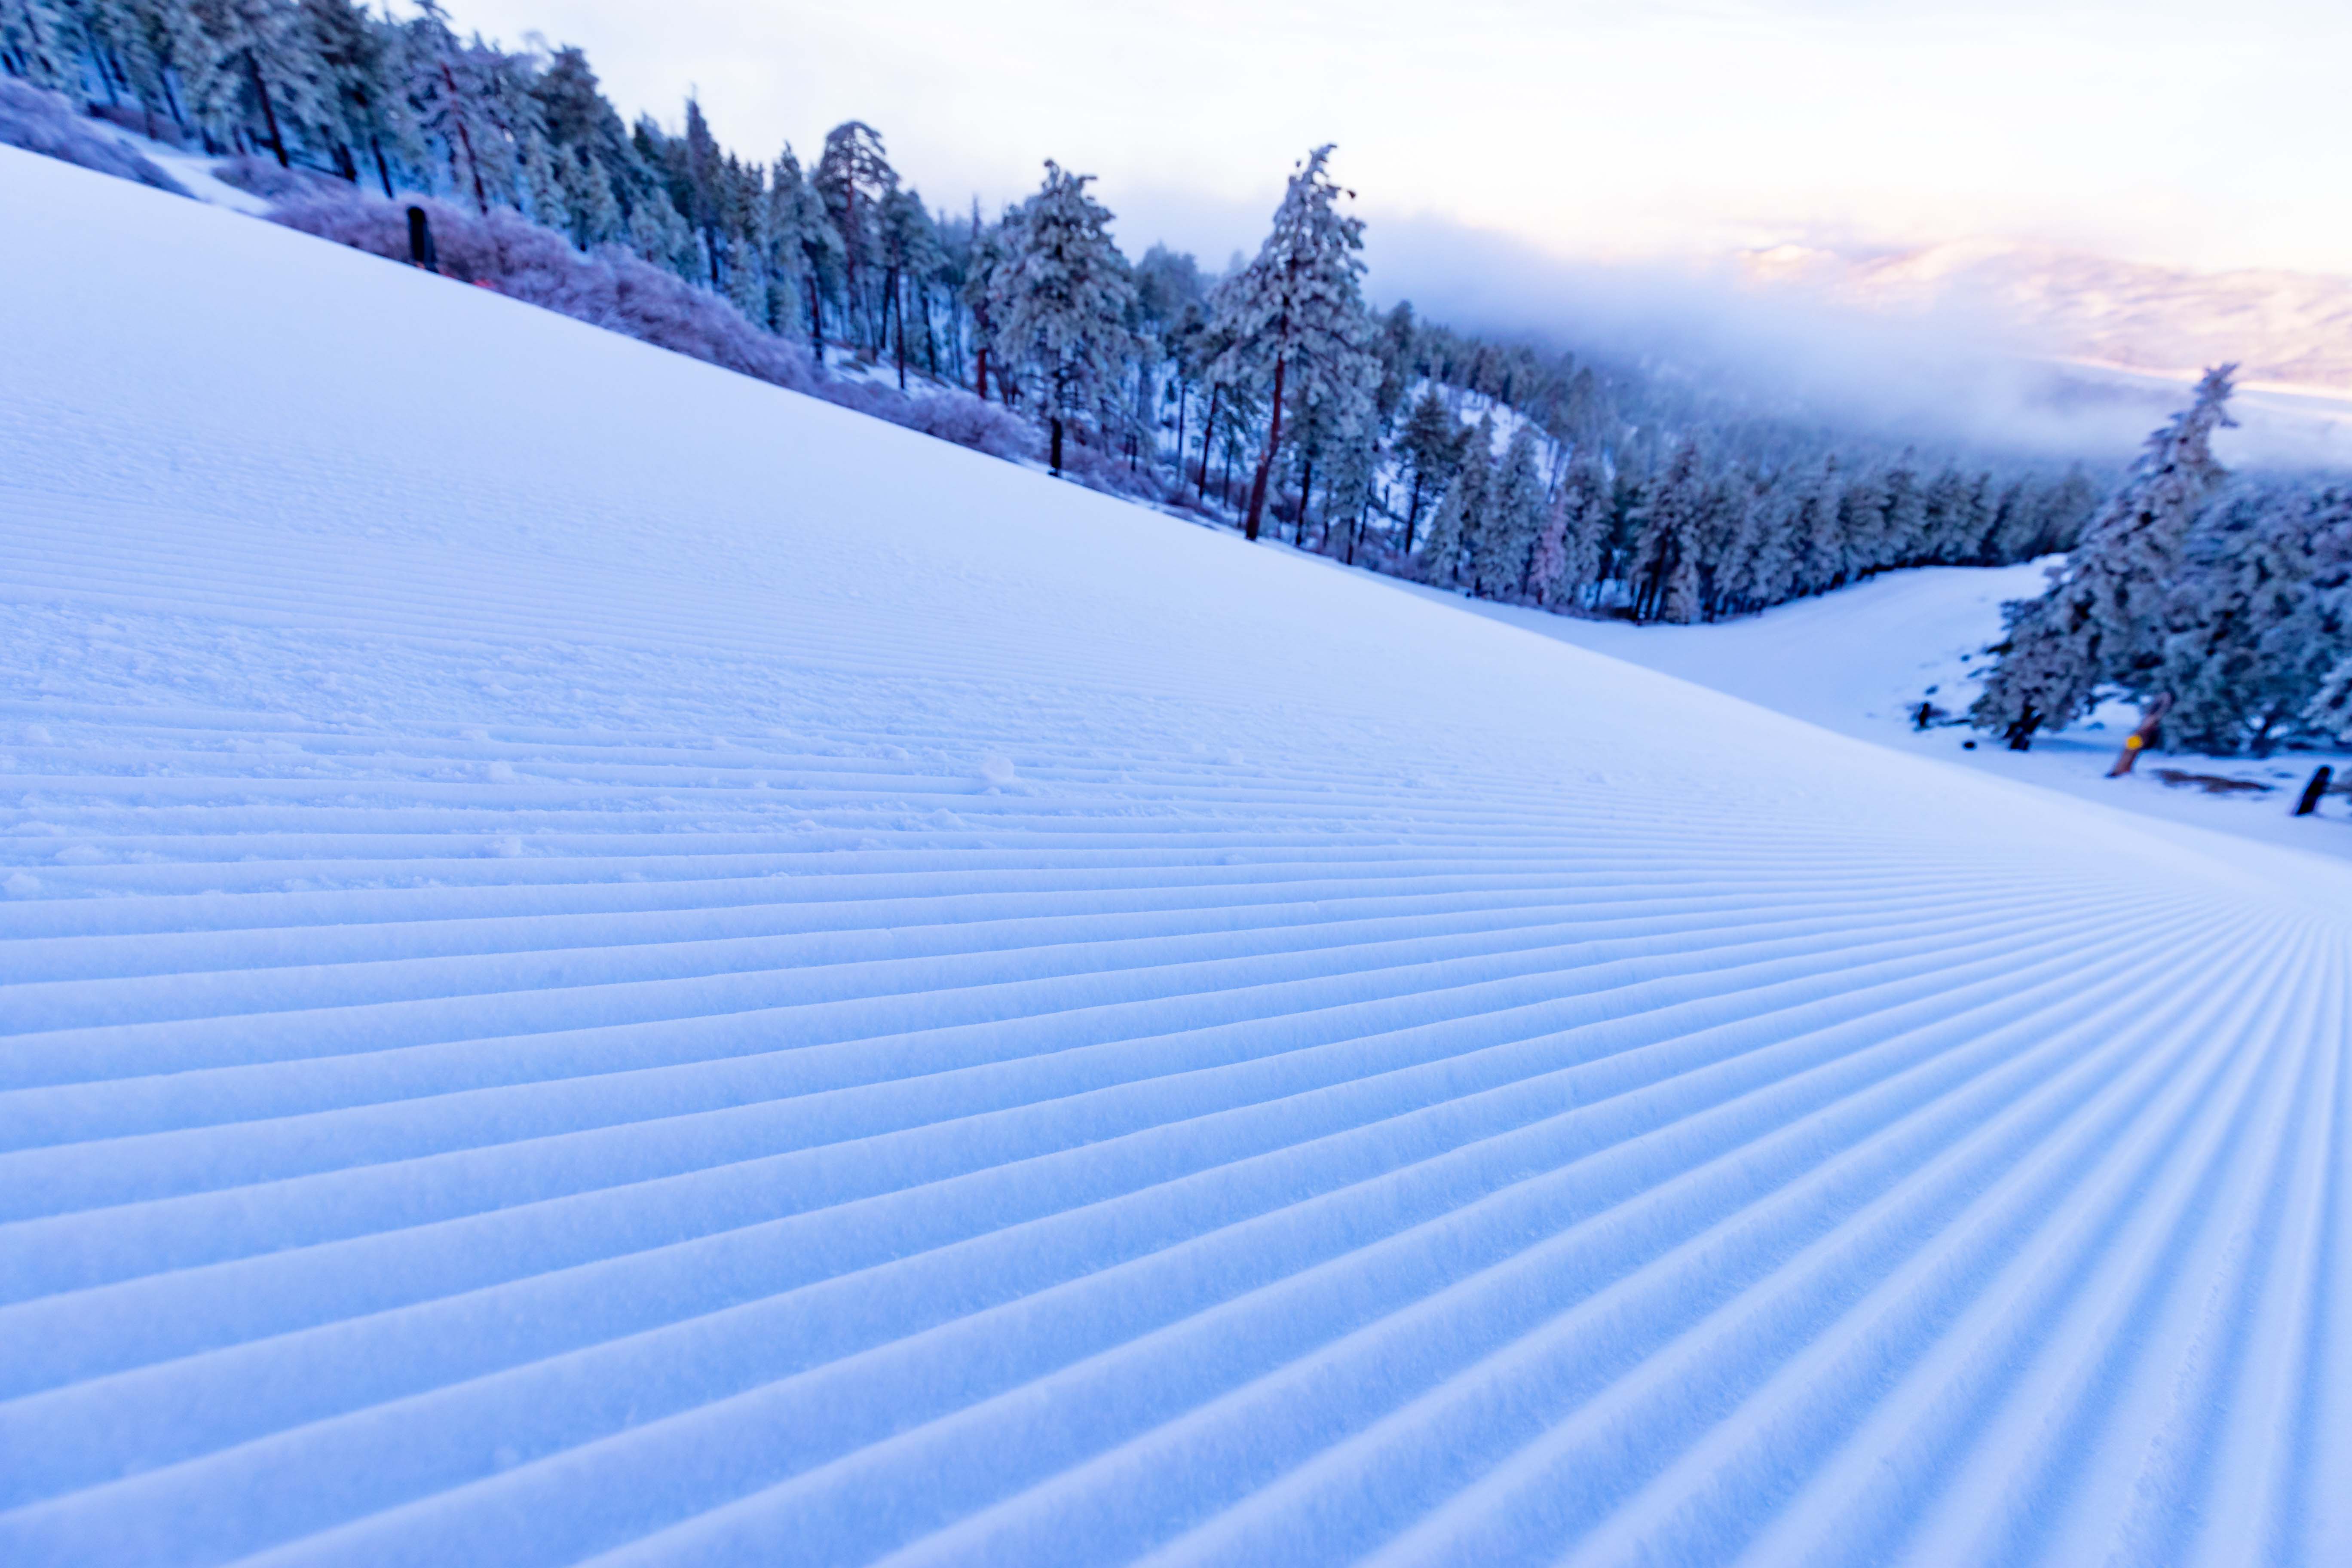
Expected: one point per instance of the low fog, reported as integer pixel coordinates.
(1959, 375)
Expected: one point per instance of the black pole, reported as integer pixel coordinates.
(420, 241)
(2313, 790)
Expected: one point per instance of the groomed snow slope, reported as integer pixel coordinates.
(607, 963)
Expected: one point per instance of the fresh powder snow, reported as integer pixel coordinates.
(606, 962)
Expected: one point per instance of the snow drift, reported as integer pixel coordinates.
(608, 962)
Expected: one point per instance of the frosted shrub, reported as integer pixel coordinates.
(262, 177)
(42, 122)
(1100, 469)
(613, 289)
(956, 416)
(610, 288)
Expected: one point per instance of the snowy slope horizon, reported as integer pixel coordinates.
(608, 960)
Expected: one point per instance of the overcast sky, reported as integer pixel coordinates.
(2209, 135)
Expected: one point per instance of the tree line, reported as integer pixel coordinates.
(2222, 605)
(1272, 396)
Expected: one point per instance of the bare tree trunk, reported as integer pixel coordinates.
(980, 382)
(2152, 719)
(449, 79)
(1265, 459)
(1208, 439)
(269, 114)
(1055, 424)
(895, 307)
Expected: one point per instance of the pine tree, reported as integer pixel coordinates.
(1583, 505)
(1864, 525)
(1432, 445)
(1770, 576)
(806, 255)
(1665, 553)
(35, 45)
(657, 234)
(854, 177)
(260, 63)
(2257, 619)
(908, 254)
(747, 284)
(1904, 525)
(2007, 529)
(1731, 584)
(2101, 620)
(1817, 538)
(1506, 533)
(1298, 307)
(1459, 514)
(1060, 299)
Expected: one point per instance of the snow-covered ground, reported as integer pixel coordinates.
(1859, 662)
(603, 961)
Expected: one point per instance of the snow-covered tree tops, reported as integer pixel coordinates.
(1294, 314)
(1059, 295)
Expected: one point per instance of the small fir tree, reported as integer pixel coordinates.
(1059, 300)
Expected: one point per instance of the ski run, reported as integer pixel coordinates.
(607, 962)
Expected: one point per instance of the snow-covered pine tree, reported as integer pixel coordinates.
(1585, 515)
(853, 176)
(910, 256)
(2259, 618)
(592, 214)
(1431, 445)
(1060, 299)
(2329, 711)
(1506, 531)
(1902, 528)
(2249, 642)
(1664, 567)
(1864, 509)
(2101, 621)
(746, 281)
(989, 244)
(2007, 519)
(35, 44)
(1297, 310)
(260, 63)
(354, 92)
(1352, 469)
(1458, 514)
(656, 233)
(1732, 588)
(806, 255)
(1817, 538)
(1947, 519)
(1769, 577)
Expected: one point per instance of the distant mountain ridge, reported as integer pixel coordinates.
(2290, 328)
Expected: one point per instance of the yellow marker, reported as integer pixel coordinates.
(2133, 742)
